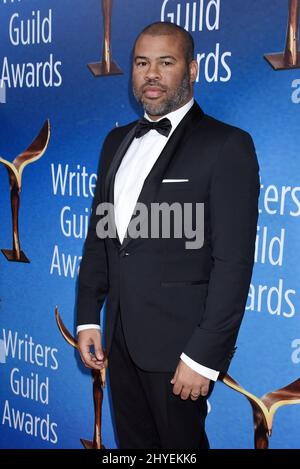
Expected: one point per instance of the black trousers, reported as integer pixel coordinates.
(146, 413)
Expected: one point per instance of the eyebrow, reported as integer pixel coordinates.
(161, 57)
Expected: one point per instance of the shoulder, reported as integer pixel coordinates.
(118, 133)
(224, 133)
(111, 143)
(234, 146)
(221, 140)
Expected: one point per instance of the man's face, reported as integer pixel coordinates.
(161, 78)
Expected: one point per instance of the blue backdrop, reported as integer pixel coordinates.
(45, 47)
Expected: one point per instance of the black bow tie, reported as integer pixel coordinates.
(163, 126)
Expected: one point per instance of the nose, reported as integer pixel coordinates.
(152, 72)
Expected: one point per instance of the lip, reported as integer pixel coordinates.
(152, 92)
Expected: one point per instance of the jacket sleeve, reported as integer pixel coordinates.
(233, 206)
(93, 284)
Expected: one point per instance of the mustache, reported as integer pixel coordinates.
(152, 83)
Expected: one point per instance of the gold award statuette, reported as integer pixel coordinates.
(264, 408)
(290, 58)
(107, 66)
(15, 170)
(98, 385)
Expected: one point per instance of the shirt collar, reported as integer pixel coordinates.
(175, 116)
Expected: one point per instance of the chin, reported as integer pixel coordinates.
(155, 109)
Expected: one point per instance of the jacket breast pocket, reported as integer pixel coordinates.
(181, 192)
(175, 186)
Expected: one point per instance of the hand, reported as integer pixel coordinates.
(86, 339)
(189, 383)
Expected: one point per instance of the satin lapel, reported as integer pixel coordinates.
(110, 176)
(154, 178)
(115, 164)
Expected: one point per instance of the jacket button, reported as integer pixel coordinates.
(124, 253)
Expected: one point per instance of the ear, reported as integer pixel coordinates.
(193, 66)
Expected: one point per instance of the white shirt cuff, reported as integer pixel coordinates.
(88, 326)
(202, 370)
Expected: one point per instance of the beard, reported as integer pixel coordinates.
(174, 98)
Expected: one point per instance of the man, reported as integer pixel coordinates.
(173, 313)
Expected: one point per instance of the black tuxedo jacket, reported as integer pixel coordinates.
(173, 299)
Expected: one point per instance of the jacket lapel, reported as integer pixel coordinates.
(153, 180)
(123, 147)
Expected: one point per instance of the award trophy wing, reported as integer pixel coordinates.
(107, 66)
(15, 169)
(264, 408)
(98, 385)
(290, 58)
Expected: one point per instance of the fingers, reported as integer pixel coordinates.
(188, 383)
(86, 339)
(89, 359)
(98, 357)
(195, 394)
(204, 390)
(191, 391)
(173, 380)
(98, 352)
(201, 392)
(97, 364)
(177, 388)
(185, 392)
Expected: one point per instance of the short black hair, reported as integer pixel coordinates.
(160, 28)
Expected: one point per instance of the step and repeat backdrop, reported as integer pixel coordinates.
(57, 103)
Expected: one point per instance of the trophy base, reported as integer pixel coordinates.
(89, 444)
(100, 69)
(278, 61)
(11, 256)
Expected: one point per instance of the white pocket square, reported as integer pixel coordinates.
(175, 180)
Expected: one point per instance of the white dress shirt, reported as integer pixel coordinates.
(132, 172)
